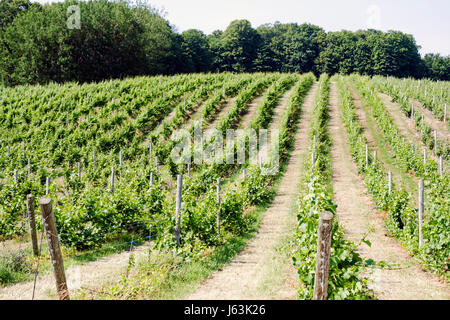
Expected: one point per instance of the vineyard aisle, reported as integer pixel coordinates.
(244, 277)
(404, 124)
(357, 214)
(429, 117)
(90, 275)
(371, 131)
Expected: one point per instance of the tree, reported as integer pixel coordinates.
(238, 47)
(437, 66)
(196, 51)
(114, 41)
(291, 47)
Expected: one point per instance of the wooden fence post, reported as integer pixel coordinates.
(323, 255)
(421, 211)
(367, 156)
(218, 202)
(53, 246)
(390, 182)
(151, 179)
(112, 180)
(178, 207)
(33, 235)
(47, 186)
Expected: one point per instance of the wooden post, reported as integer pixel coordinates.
(218, 202)
(151, 178)
(441, 165)
(421, 211)
(178, 207)
(424, 157)
(29, 166)
(313, 161)
(47, 186)
(367, 156)
(244, 173)
(323, 255)
(189, 169)
(412, 111)
(390, 182)
(30, 212)
(53, 246)
(112, 180)
(260, 162)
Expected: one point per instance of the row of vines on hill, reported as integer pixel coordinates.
(403, 218)
(346, 265)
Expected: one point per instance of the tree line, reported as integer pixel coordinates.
(118, 39)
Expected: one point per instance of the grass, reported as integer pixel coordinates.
(20, 265)
(385, 153)
(163, 275)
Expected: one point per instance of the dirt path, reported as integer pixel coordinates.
(405, 125)
(222, 112)
(252, 107)
(275, 121)
(370, 132)
(245, 276)
(357, 215)
(85, 276)
(430, 118)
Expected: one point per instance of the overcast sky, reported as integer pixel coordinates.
(427, 20)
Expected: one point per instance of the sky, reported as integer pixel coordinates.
(427, 20)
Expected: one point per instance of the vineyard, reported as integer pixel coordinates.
(161, 178)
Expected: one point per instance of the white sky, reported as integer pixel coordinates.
(427, 20)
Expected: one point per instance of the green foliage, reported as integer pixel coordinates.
(346, 265)
(402, 215)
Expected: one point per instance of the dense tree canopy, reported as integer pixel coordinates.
(117, 39)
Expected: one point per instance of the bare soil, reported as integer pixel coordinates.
(370, 133)
(429, 117)
(405, 125)
(86, 276)
(244, 276)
